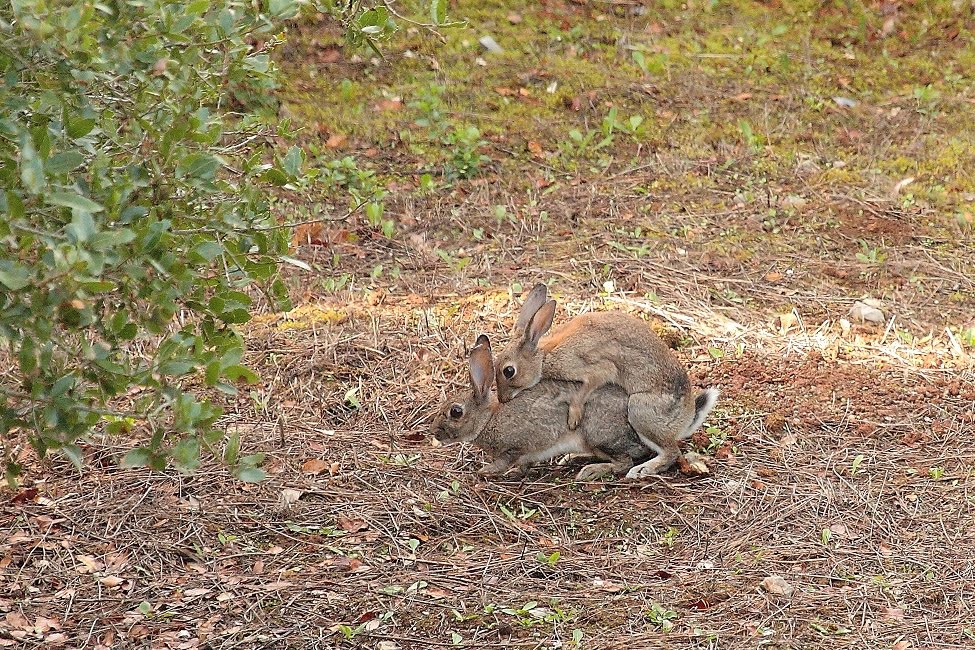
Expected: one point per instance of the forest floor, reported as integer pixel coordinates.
(740, 174)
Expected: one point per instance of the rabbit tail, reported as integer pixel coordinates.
(703, 404)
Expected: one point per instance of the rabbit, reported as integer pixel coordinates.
(601, 348)
(531, 427)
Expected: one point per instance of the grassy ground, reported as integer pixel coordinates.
(741, 174)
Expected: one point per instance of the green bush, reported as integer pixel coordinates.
(136, 202)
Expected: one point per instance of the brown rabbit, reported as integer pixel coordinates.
(602, 348)
(531, 427)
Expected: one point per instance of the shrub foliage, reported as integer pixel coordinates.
(136, 206)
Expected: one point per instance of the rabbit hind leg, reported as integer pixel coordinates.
(657, 420)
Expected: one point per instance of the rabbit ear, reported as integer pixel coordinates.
(540, 323)
(533, 302)
(482, 369)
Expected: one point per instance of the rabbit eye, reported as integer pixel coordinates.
(456, 411)
(508, 372)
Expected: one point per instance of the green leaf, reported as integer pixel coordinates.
(64, 162)
(203, 166)
(232, 452)
(293, 161)
(15, 206)
(139, 457)
(176, 368)
(74, 201)
(209, 250)
(241, 373)
(31, 168)
(251, 474)
(235, 316)
(80, 127)
(283, 9)
(275, 177)
(13, 276)
(252, 460)
(82, 227)
(186, 454)
(438, 11)
(296, 262)
(74, 454)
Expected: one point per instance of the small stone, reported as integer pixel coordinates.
(807, 167)
(489, 44)
(794, 201)
(864, 313)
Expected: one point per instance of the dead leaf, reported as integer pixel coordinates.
(894, 613)
(351, 525)
(336, 141)
(43, 625)
(24, 496)
(777, 585)
(693, 464)
(393, 104)
(343, 563)
(198, 591)
(88, 564)
(314, 466)
(436, 592)
(289, 497)
(787, 322)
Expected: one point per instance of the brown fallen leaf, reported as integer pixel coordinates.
(88, 564)
(351, 525)
(393, 104)
(336, 141)
(43, 625)
(24, 496)
(777, 585)
(693, 464)
(314, 466)
(198, 591)
(330, 55)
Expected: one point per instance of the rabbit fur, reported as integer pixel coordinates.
(601, 348)
(531, 427)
